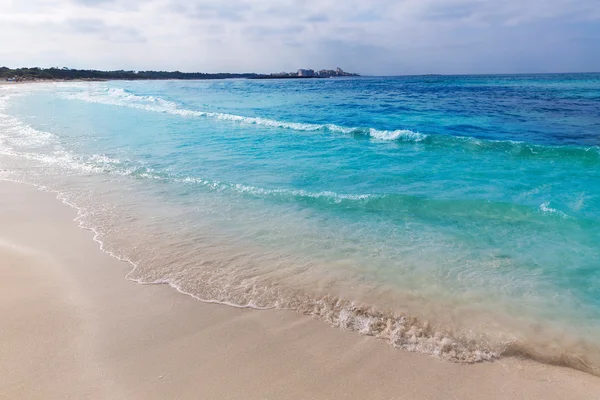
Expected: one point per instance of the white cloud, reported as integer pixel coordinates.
(371, 37)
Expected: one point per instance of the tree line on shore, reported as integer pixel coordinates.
(35, 73)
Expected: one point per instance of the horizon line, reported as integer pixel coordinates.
(360, 74)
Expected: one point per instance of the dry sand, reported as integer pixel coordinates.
(71, 327)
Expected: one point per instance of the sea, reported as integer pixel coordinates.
(457, 216)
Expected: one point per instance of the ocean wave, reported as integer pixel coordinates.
(124, 98)
(401, 330)
(23, 141)
(16, 135)
(391, 204)
(258, 191)
(546, 209)
(13, 133)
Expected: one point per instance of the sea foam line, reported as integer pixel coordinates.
(123, 98)
(401, 331)
(21, 141)
(15, 136)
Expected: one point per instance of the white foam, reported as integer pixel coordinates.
(122, 98)
(241, 188)
(401, 134)
(20, 140)
(16, 137)
(545, 207)
(13, 133)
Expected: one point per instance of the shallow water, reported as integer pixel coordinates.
(457, 216)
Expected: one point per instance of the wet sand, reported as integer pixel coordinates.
(72, 327)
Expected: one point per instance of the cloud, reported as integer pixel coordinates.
(367, 36)
(317, 18)
(260, 31)
(103, 31)
(92, 3)
(228, 11)
(86, 25)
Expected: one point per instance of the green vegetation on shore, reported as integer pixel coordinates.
(31, 74)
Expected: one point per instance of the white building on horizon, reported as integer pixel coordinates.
(306, 72)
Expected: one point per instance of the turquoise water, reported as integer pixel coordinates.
(456, 216)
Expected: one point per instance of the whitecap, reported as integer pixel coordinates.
(123, 98)
(545, 207)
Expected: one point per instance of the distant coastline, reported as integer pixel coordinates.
(68, 74)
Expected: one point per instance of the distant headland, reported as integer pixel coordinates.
(68, 74)
(306, 73)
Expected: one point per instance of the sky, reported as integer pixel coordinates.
(371, 37)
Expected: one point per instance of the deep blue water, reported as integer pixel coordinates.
(470, 201)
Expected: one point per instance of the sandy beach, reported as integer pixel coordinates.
(72, 327)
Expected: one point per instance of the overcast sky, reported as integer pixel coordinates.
(372, 37)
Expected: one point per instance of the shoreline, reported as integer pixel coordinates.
(364, 319)
(149, 341)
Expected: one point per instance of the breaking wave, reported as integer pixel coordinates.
(23, 141)
(123, 98)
